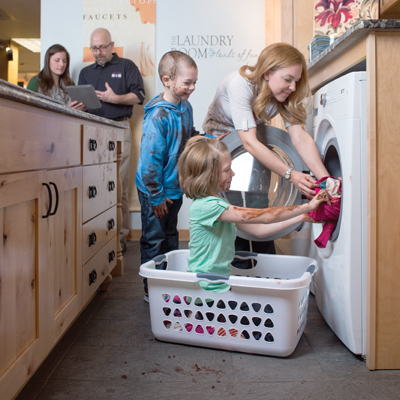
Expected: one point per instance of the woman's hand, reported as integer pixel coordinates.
(321, 197)
(304, 182)
(77, 106)
(307, 218)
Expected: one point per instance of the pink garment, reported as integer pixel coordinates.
(329, 214)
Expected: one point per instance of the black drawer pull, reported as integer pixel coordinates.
(111, 224)
(111, 145)
(111, 186)
(92, 192)
(92, 277)
(111, 256)
(50, 200)
(92, 239)
(92, 145)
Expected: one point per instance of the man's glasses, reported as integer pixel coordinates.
(101, 48)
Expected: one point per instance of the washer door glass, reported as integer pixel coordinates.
(255, 186)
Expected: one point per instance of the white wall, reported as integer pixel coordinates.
(62, 23)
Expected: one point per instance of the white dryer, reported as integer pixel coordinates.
(340, 136)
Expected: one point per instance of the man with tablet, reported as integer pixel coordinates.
(119, 86)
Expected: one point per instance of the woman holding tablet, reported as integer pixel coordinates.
(54, 77)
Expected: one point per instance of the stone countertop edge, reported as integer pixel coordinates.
(358, 30)
(21, 95)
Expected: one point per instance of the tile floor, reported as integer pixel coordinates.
(110, 353)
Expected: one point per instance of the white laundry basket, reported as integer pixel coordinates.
(265, 311)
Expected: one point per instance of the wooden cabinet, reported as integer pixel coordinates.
(47, 269)
(390, 9)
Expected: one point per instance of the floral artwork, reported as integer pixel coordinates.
(333, 17)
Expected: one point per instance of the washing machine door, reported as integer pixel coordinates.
(255, 186)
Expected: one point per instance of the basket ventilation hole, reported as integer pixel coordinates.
(210, 302)
(199, 316)
(167, 324)
(221, 332)
(187, 299)
(268, 309)
(221, 304)
(245, 335)
(221, 318)
(256, 321)
(166, 297)
(167, 311)
(257, 335)
(269, 337)
(232, 304)
(188, 313)
(210, 329)
(244, 307)
(189, 327)
(244, 321)
(233, 318)
(177, 313)
(178, 327)
(210, 316)
(256, 307)
(198, 302)
(233, 332)
(199, 329)
(177, 300)
(268, 323)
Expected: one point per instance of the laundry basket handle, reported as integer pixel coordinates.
(245, 254)
(159, 259)
(212, 277)
(311, 269)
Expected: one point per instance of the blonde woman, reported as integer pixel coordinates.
(276, 84)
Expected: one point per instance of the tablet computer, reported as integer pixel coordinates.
(84, 94)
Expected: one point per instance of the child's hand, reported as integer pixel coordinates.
(161, 210)
(321, 197)
(306, 217)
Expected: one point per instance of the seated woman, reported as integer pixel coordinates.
(54, 77)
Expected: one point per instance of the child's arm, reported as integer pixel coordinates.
(263, 230)
(241, 215)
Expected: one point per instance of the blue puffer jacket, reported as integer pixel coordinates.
(166, 129)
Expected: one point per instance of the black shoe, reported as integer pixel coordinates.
(123, 247)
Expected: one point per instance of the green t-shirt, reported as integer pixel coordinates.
(212, 242)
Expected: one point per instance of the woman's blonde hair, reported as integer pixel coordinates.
(273, 57)
(199, 166)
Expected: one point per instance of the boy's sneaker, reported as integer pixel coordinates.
(146, 297)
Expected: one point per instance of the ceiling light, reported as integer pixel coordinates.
(31, 44)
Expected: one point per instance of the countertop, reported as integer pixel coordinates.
(354, 33)
(21, 95)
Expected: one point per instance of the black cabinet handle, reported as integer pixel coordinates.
(111, 256)
(111, 145)
(92, 277)
(111, 224)
(92, 239)
(50, 200)
(92, 192)
(57, 198)
(92, 145)
(111, 186)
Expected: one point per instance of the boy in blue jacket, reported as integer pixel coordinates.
(167, 126)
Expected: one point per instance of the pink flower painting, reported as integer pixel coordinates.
(333, 17)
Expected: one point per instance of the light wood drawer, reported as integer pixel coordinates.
(31, 140)
(99, 189)
(98, 268)
(97, 232)
(99, 145)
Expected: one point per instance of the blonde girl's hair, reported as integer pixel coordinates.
(199, 166)
(274, 57)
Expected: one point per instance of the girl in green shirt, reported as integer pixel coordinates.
(204, 172)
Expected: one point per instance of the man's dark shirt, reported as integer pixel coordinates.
(123, 76)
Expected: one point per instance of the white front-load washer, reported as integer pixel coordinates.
(340, 136)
